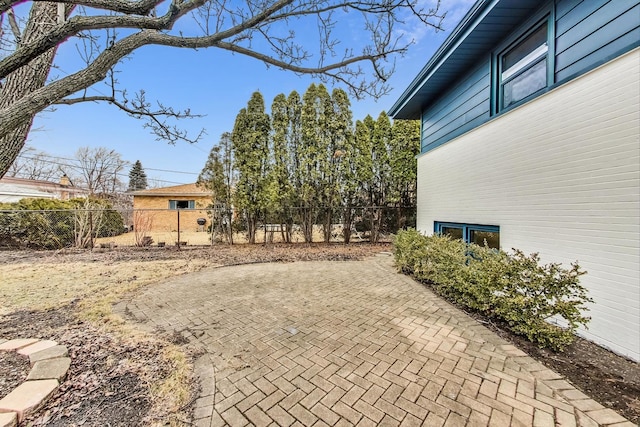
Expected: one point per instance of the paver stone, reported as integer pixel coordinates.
(8, 419)
(17, 343)
(49, 353)
(27, 397)
(36, 347)
(50, 369)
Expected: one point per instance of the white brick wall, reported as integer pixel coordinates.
(561, 176)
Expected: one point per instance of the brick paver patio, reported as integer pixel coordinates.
(352, 343)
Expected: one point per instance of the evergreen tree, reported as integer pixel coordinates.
(364, 159)
(137, 177)
(281, 187)
(217, 177)
(340, 123)
(344, 160)
(405, 146)
(313, 155)
(250, 139)
(380, 144)
(294, 148)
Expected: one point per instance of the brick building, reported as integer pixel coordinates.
(158, 209)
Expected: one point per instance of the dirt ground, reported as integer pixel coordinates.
(119, 377)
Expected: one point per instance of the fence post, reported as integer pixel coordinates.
(178, 229)
(91, 229)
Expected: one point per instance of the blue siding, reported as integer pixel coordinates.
(463, 104)
(588, 33)
(592, 32)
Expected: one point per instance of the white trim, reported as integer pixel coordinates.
(531, 58)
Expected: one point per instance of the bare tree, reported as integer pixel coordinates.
(106, 31)
(100, 169)
(34, 164)
(142, 225)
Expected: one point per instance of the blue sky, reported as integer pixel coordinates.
(211, 82)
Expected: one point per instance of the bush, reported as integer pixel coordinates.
(514, 288)
(55, 224)
(108, 222)
(37, 223)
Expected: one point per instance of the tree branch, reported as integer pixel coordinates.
(246, 21)
(24, 54)
(141, 7)
(14, 26)
(140, 109)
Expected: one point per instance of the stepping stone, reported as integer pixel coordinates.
(34, 348)
(27, 397)
(49, 353)
(17, 343)
(9, 419)
(50, 369)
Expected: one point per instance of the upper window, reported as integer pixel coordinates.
(523, 67)
(470, 233)
(182, 204)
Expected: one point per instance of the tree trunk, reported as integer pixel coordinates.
(307, 224)
(327, 224)
(25, 80)
(376, 221)
(346, 226)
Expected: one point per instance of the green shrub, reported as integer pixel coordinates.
(514, 288)
(37, 223)
(55, 224)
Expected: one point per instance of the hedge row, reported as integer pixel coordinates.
(512, 287)
(55, 224)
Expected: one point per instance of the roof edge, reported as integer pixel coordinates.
(203, 194)
(459, 34)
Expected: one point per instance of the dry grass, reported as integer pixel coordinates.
(199, 238)
(97, 286)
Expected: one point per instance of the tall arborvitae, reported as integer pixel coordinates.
(281, 187)
(217, 177)
(405, 146)
(294, 146)
(314, 154)
(344, 157)
(250, 140)
(381, 142)
(137, 177)
(339, 125)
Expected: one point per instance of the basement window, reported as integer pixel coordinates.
(470, 233)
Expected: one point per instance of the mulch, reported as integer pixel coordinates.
(105, 385)
(14, 368)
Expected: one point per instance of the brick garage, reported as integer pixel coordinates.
(157, 209)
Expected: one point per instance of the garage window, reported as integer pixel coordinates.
(182, 204)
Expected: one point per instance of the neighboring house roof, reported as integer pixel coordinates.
(483, 27)
(14, 189)
(10, 193)
(185, 190)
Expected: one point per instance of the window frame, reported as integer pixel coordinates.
(173, 204)
(467, 229)
(545, 16)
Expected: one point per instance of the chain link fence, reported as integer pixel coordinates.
(108, 228)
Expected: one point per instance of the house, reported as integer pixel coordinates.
(15, 189)
(158, 207)
(530, 114)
